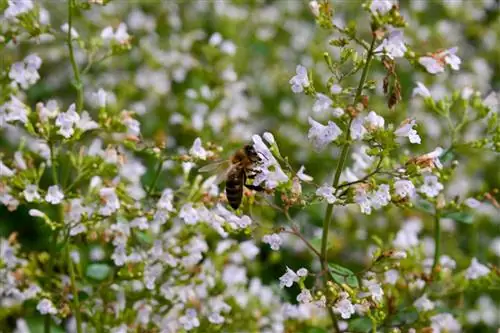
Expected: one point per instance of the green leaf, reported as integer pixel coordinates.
(463, 217)
(36, 325)
(405, 317)
(315, 330)
(341, 275)
(98, 271)
(363, 324)
(424, 206)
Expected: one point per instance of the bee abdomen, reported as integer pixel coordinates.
(234, 192)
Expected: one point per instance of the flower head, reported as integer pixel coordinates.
(322, 135)
(54, 195)
(406, 130)
(300, 80)
(476, 270)
(287, 279)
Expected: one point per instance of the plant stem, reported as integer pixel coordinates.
(159, 167)
(437, 242)
(336, 178)
(78, 81)
(76, 302)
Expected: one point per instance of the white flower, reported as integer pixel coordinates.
(452, 59)
(335, 89)
(45, 306)
(447, 263)
(472, 203)
(322, 135)
(304, 297)
(302, 176)
(121, 36)
(431, 186)
(85, 123)
(432, 65)
(189, 214)
(31, 193)
(404, 188)
(435, 63)
(375, 290)
(110, 199)
(37, 213)
(391, 276)
(19, 159)
(288, 278)
(189, 320)
(357, 129)
(421, 90)
(405, 239)
(16, 110)
(269, 138)
(197, 150)
(18, 7)
(166, 201)
(5, 171)
(337, 112)
(374, 121)
(302, 272)
(274, 240)
(101, 96)
(406, 130)
(362, 199)
(66, 120)
(424, 304)
(48, 111)
(381, 197)
(270, 171)
(322, 103)
(344, 306)
(476, 270)
(25, 73)
(216, 318)
(300, 80)
(381, 6)
(394, 45)
(466, 93)
(327, 192)
(314, 7)
(54, 195)
(74, 33)
(444, 322)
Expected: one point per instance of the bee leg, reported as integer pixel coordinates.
(255, 187)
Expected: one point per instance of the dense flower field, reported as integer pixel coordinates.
(370, 196)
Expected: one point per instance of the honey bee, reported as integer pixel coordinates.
(236, 171)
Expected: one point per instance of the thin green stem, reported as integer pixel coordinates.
(437, 242)
(76, 301)
(156, 176)
(336, 178)
(55, 177)
(76, 72)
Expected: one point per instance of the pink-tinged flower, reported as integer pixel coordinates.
(435, 62)
(393, 46)
(406, 130)
(300, 80)
(421, 90)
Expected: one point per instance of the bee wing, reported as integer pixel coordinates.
(212, 167)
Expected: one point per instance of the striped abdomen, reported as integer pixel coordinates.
(234, 187)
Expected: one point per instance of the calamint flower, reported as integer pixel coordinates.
(5, 171)
(300, 80)
(322, 103)
(406, 130)
(302, 176)
(18, 7)
(476, 270)
(424, 304)
(374, 121)
(394, 45)
(381, 6)
(404, 188)
(327, 192)
(444, 322)
(270, 172)
(344, 307)
(31, 193)
(274, 240)
(54, 195)
(304, 297)
(357, 129)
(66, 120)
(431, 186)
(25, 73)
(45, 306)
(421, 90)
(434, 64)
(287, 279)
(110, 199)
(197, 150)
(321, 135)
(120, 35)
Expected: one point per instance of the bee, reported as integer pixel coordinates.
(236, 171)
